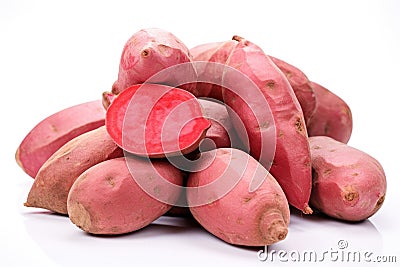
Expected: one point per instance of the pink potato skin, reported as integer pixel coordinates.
(240, 217)
(106, 199)
(348, 184)
(332, 117)
(146, 53)
(56, 130)
(217, 52)
(56, 176)
(221, 131)
(291, 164)
(301, 87)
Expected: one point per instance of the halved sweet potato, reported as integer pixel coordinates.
(156, 121)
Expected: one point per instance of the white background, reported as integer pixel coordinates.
(55, 54)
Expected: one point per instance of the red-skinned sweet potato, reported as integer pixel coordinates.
(301, 87)
(156, 121)
(56, 130)
(204, 52)
(291, 164)
(348, 184)
(106, 199)
(221, 131)
(332, 116)
(213, 53)
(238, 215)
(56, 176)
(146, 53)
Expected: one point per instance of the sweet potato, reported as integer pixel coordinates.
(212, 53)
(348, 184)
(221, 131)
(205, 51)
(156, 121)
(222, 200)
(284, 128)
(332, 117)
(58, 173)
(56, 130)
(301, 87)
(107, 199)
(146, 53)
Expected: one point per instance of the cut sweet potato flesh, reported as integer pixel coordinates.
(156, 121)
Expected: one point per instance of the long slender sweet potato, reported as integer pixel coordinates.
(212, 53)
(156, 121)
(106, 198)
(332, 117)
(301, 87)
(146, 53)
(291, 164)
(348, 184)
(56, 130)
(233, 212)
(56, 176)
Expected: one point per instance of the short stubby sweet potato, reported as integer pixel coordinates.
(301, 87)
(146, 53)
(156, 121)
(107, 200)
(56, 130)
(212, 53)
(222, 199)
(283, 129)
(348, 184)
(221, 131)
(56, 176)
(332, 116)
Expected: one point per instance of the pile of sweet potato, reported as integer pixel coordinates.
(222, 132)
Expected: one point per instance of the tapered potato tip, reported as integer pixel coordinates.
(237, 38)
(273, 228)
(307, 210)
